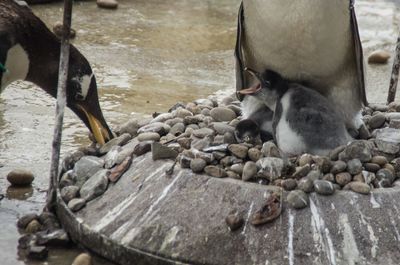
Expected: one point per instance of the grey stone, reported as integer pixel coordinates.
(314, 174)
(249, 170)
(254, 154)
(162, 117)
(70, 192)
(271, 168)
(237, 168)
(55, 238)
(120, 140)
(87, 167)
(385, 178)
(37, 252)
(160, 151)
(306, 185)
(343, 178)
(26, 219)
(130, 127)
(334, 154)
(173, 121)
(156, 127)
(388, 140)
(377, 121)
(354, 166)
(33, 227)
(394, 123)
(380, 160)
(181, 113)
(148, 136)
(177, 129)
(360, 187)
(289, 184)
(111, 157)
(203, 132)
(126, 150)
(338, 166)
(323, 163)
(372, 167)
(369, 177)
(205, 156)
(297, 199)
(192, 121)
(107, 4)
(305, 159)
(222, 128)
(229, 138)
(238, 150)
(204, 101)
(76, 204)
(364, 133)
(70, 159)
(215, 171)
(142, 148)
(329, 177)
(222, 114)
(20, 177)
(232, 175)
(360, 149)
(324, 187)
(185, 161)
(219, 148)
(301, 171)
(197, 165)
(95, 185)
(185, 142)
(269, 149)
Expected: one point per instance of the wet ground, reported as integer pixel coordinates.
(147, 55)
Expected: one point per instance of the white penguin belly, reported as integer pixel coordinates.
(301, 39)
(287, 139)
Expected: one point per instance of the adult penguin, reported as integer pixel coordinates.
(314, 42)
(30, 51)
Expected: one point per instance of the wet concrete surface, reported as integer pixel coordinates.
(147, 55)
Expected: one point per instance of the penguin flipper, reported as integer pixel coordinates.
(240, 83)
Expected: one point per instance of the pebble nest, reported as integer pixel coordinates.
(200, 136)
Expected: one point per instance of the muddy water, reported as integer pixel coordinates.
(147, 55)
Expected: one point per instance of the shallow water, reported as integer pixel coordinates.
(147, 55)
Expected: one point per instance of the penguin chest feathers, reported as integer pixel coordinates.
(17, 65)
(302, 39)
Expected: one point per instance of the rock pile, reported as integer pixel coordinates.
(201, 136)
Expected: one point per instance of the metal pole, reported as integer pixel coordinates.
(61, 103)
(394, 78)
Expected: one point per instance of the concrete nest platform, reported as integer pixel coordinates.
(150, 217)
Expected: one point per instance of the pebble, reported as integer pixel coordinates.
(360, 187)
(254, 154)
(86, 167)
(306, 185)
(271, 168)
(314, 174)
(142, 148)
(372, 167)
(203, 132)
(237, 168)
(82, 259)
(160, 151)
(379, 57)
(70, 192)
(305, 159)
(197, 165)
(222, 114)
(107, 4)
(120, 140)
(156, 127)
(95, 185)
(26, 219)
(20, 177)
(385, 178)
(234, 221)
(70, 160)
(360, 149)
(117, 171)
(334, 154)
(232, 175)
(249, 171)
(377, 121)
(269, 149)
(177, 129)
(33, 227)
(329, 177)
(185, 142)
(354, 166)
(215, 171)
(111, 157)
(229, 138)
(324, 187)
(297, 199)
(343, 178)
(338, 166)
(390, 167)
(380, 160)
(76, 204)
(388, 140)
(55, 238)
(238, 150)
(369, 177)
(323, 163)
(222, 128)
(301, 171)
(131, 127)
(289, 184)
(148, 136)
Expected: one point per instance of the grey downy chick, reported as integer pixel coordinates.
(304, 121)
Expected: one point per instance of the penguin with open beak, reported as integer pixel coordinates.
(304, 121)
(310, 41)
(30, 51)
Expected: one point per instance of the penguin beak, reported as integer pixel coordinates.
(251, 90)
(95, 122)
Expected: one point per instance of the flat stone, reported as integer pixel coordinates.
(55, 238)
(160, 151)
(338, 166)
(126, 151)
(203, 132)
(360, 187)
(162, 117)
(197, 165)
(82, 259)
(215, 171)
(142, 148)
(271, 168)
(388, 140)
(379, 57)
(107, 4)
(343, 178)
(249, 170)
(360, 149)
(111, 157)
(86, 167)
(324, 187)
(95, 185)
(76, 204)
(148, 136)
(222, 114)
(354, 166)
(238, 150)
(120, 140)
(20, 177)
(297, 199)
(269, 149)
(70, 192)
(117, 171)
(156, 127)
